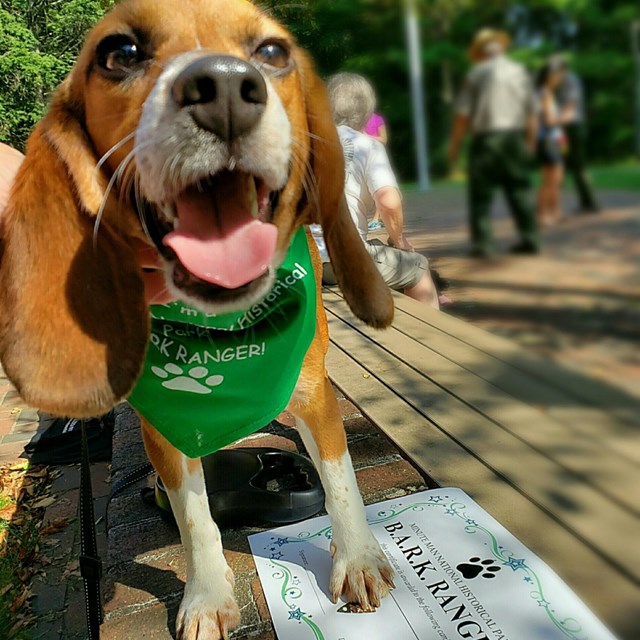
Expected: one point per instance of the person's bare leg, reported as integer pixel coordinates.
(541, 202)
(555, 189)
(545, 196)
(425, 291)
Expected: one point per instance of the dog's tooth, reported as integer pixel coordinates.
(252, 197)
(167, 210)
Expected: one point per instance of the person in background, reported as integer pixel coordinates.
(497, 104)
(370, 185)
(569, 95)
(376, 127)
(10, 161)
(550, 145)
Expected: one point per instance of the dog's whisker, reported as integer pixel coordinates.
(137, 194)
(126, 182)
(103, 204)
(312, 136)
(159, 296)
(125, 174)
(117, 175)
(114, 148)
(309, 183)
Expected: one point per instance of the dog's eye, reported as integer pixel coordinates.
(272, 53)
(118, 56)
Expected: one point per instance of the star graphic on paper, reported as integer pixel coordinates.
(280, 541)
(471, 522)
(435, 499)
(528, 579)
(277, 556)
(296, 614)
(516, 563)
(543, 603)
(451, 512)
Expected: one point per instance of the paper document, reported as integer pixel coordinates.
(459, 575)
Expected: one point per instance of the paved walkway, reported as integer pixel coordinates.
(578, 302)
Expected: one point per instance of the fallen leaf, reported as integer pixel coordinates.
(43, 502)
(54, 526)
(24, 622)
(19, 601)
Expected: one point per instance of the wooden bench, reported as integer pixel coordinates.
(550, 453)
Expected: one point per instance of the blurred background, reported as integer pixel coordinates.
(40, 38)
(368, 37)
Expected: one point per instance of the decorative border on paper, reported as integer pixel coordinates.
(290, 590)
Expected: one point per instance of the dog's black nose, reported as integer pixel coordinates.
(225, 95)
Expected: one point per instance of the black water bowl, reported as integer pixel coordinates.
(257, 486)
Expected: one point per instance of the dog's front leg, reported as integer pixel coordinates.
(208, 610)
(361, 572)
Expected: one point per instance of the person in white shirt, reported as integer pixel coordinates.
(370, 185)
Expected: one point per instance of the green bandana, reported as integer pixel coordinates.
(210, 380)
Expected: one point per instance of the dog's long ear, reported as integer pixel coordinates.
(73, 321)
(366, 293)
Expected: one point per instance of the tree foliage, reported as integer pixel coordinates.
(40, 38)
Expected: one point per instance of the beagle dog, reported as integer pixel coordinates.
(198, 130)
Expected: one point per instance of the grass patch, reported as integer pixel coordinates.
(620, 176)
(623, 176)
(23, 497)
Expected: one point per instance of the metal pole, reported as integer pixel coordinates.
(417, 93)
(635, 47)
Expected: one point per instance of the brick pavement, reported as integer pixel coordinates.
(18, 422)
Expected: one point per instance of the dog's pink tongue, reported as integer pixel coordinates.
(218, 240)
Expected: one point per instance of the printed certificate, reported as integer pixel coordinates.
(460, 575)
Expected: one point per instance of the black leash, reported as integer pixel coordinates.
(90, 562)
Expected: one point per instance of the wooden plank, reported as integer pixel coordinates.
(610, 474)
(590, 515)
(612, 431)
(606, 431)
(611, 595)
(589, 391)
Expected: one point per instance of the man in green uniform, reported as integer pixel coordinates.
(497, 105)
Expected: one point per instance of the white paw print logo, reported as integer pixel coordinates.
(195, 380)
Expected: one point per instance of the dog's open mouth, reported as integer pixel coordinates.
(222, 241)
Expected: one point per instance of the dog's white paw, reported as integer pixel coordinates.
(208, 612)
(363, 576)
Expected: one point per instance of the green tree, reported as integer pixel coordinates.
(39, 39)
